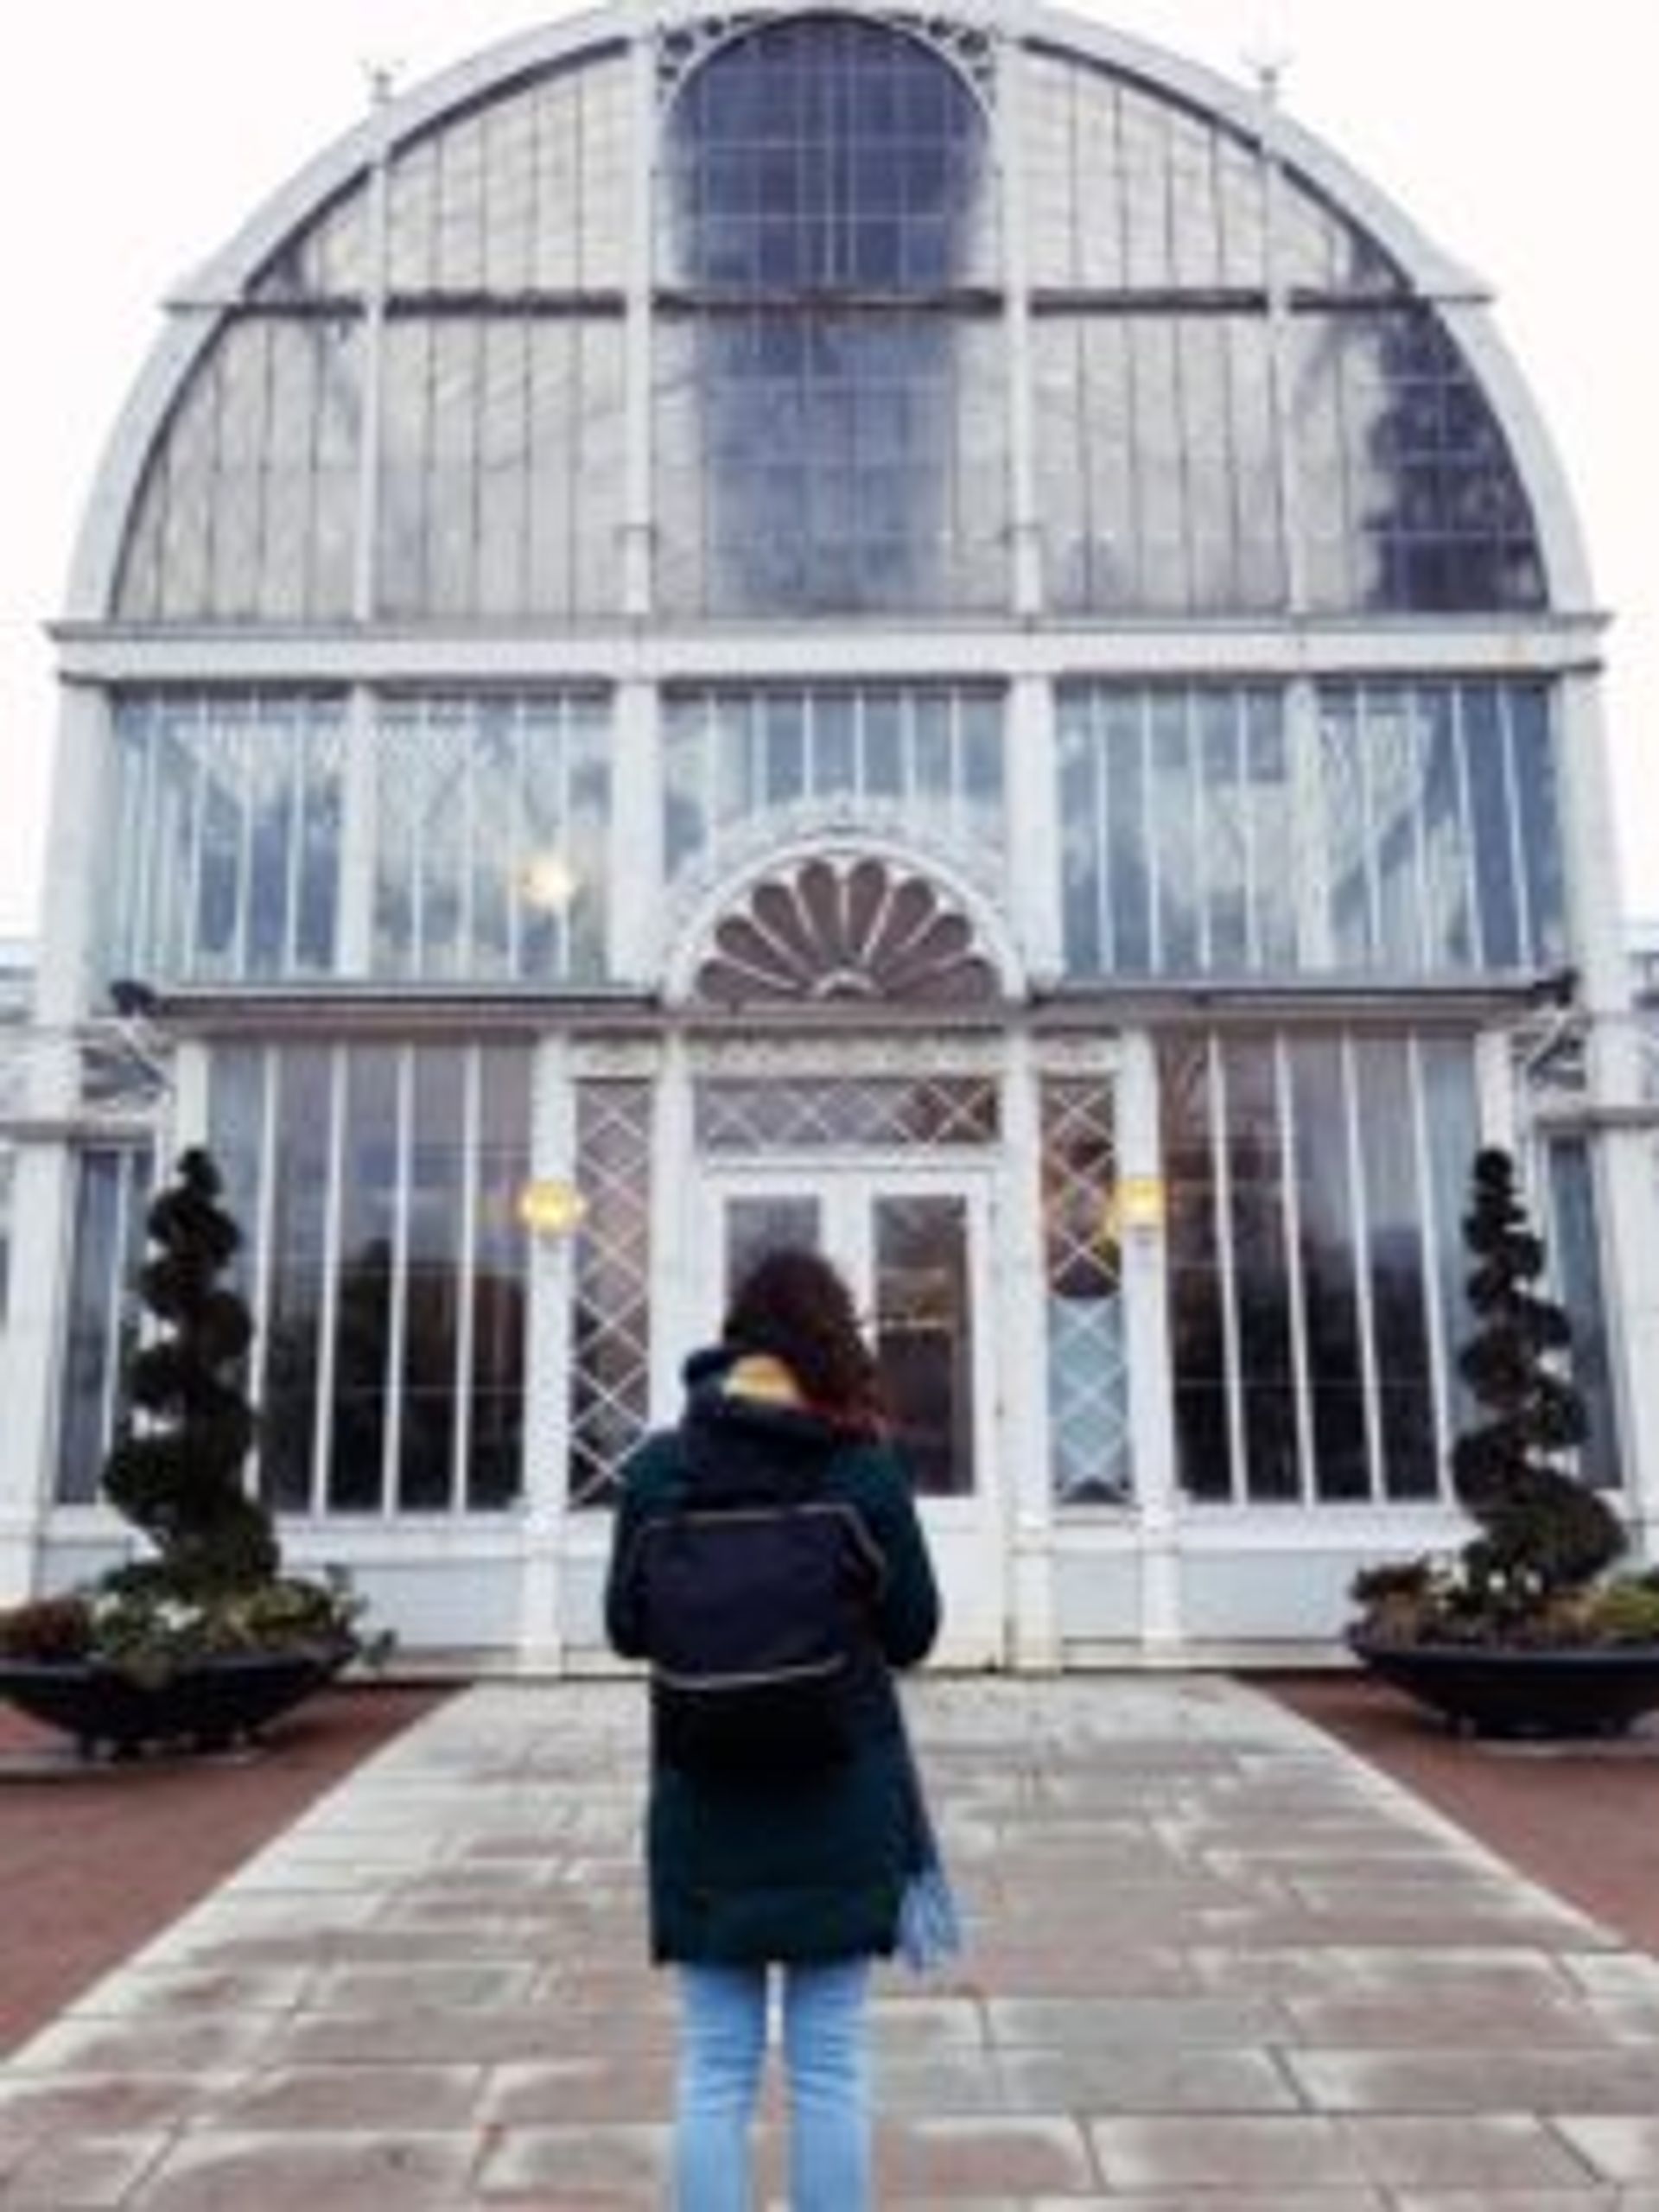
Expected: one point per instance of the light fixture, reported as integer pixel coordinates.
(551, 1206)
(549, 881)
(1141, 1204)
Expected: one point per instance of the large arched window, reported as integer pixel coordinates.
(830, 396)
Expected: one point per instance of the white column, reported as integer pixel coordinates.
(636, 519)
(1146, 1294)
(634, 889)
(67, 982)
(1024, 1454)
(184, 1120)
(42, 1196)
(1627, 1172)
(1025, 529)
(547, 1371)
(1030, 782)
(676, 1312)
(359, 800)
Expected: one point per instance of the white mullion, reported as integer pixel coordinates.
(467, 963)
(1149, 838)
(1519, 874)
(1295, 1288)
(1434, 1313)
(1222, 1175)
(465, 1271)
(712, 826)
(397, 1333)
(1359, 1215)
(1467, 829)
(860, 746)
(247, 783)
(147, 951)
(1244, 784)
(961, 820)
(565, 828)
(1370, 855)
(1102, 760)
(292, 873)
(1026, 582)
(1199, 823)
(264, 1238)
(1416, 725)
(328, 1303)
(419, 783)
(519, 856)
(187, 951)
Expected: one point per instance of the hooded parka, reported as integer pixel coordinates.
(797, 1869)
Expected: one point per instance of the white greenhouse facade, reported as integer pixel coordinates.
(935, 634)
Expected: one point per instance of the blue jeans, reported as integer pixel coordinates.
(723, 2048)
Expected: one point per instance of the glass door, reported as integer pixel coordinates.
(911, 1245)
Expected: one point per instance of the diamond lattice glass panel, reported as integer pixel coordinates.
(610, 1357)
(781, 1113)
(1087, 1354)
(845, 931)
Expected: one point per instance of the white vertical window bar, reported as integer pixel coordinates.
(1196, 770)
(322, 1435)
(1105, 798)
(1469, 828)
(364, 565)
(466, 1261)
(907, 777)
(639, 583)
(1244, 782)
(1521, 875)
(563, 831)
(1009, 138)
(420, 781)
(144, 948)
(1371, 852)
(304, 735)
(709, 749)
(1309, 837)
(1434, 1313)
(1300, 1377)
(1221, 1169)
(1360, 1216)
(1417, 738)
(1288, 483)
(518, 856)
(360, 742)
(1149, 838)
(185, 955)
(398, 1331)
(247, 784)
(265, 1202)
(860, 746)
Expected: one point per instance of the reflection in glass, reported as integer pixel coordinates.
(1395, 1262)
(1576, 1237)
(111, 1194)
(923, 1330)
(756, 1227)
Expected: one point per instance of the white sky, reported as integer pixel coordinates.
(136, 135)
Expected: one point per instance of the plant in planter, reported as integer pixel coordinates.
(1525, 1627)
(204, 1638)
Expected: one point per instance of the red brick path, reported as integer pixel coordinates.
(95, 1860)
(1583, 1818)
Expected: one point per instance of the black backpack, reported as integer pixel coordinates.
(756, 1618)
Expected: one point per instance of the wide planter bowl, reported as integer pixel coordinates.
(1489, 1691)
(207, 1704)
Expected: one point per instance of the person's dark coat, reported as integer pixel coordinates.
(797, 1869)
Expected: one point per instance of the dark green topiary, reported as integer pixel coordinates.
(178, 1476)
(1542, 1531)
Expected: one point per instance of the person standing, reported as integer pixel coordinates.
(785, 1878)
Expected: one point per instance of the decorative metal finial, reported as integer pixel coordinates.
(1268, 62)
(381, 75)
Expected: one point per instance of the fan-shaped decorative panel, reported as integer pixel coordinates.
(846, 930)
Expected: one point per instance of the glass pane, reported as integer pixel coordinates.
(1324, 1204)
(1579, 1285)
(436, 1220)
(1393, 1231)
(1197, 1327)
(1260, 1270)
(923, 1332)
(366, 1281)
(299, 1209)
(495, 1472)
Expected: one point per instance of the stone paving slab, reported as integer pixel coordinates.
(1216, 1965)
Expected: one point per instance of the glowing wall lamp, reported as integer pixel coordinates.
(551, 1207)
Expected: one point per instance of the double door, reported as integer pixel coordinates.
(911, 1243)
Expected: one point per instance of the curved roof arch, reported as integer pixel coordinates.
(228, 275)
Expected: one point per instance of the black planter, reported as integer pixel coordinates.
(1492, 1691)
(207, 1706)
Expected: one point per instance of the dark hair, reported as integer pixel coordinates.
(793, 1305)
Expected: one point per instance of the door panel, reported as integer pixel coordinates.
(911, 1245)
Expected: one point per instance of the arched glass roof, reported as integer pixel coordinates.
(1239, 398)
